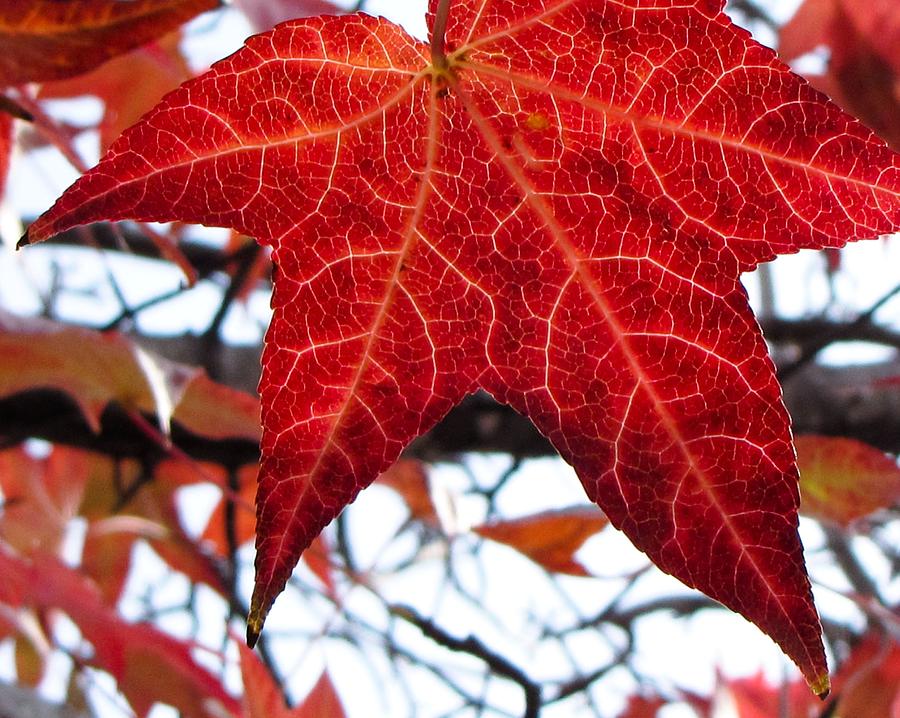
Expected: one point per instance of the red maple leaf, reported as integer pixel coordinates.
(553, 203)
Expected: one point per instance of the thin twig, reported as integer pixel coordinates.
(840, 332)
(475, 648)
(846, 559)
(212, 335)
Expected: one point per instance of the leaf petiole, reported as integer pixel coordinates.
(438, 56)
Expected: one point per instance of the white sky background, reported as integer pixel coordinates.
(677, 653)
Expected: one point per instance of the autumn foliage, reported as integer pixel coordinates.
(551, 202)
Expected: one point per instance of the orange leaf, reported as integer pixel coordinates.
(409, 479)
(262, 699)
(106, 558)
(842, 480)
(812, 25)
(30, 662)
(641, 707)
(322, 701)
(96, 368)
(40, 496)
(215, 534)
(106, 484)
(259, 271)
(865, 85)
(844, 26)
(161, 67)
(217, 411)
(551, 538)
(863, 73)
(93, 368)
(156, 502)
(877, 22)
(755, 697)
(317, 559)
(868, 684)
(49, 40)
(150, 513)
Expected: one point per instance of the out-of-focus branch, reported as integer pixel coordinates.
(130, 240)
(753, 12)
(474, 647)
(17, 702)
(838, 332)
(840, 545)
(51, 415)
(852, 401)
(861, 402)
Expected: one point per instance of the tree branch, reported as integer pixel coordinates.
(474, 647)
(18, 702)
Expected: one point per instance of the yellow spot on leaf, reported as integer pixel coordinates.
(537, 122)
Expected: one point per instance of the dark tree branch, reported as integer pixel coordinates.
(833, 334)
(582, 683)
(211, 339)
(51, 415)
(474, 647)
(127, 238)
(753, 12)
(860, 581)
(846, 401)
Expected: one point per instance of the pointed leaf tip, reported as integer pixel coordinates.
(24, 241)
(259, 610)
(821, 686)
(252, 635)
